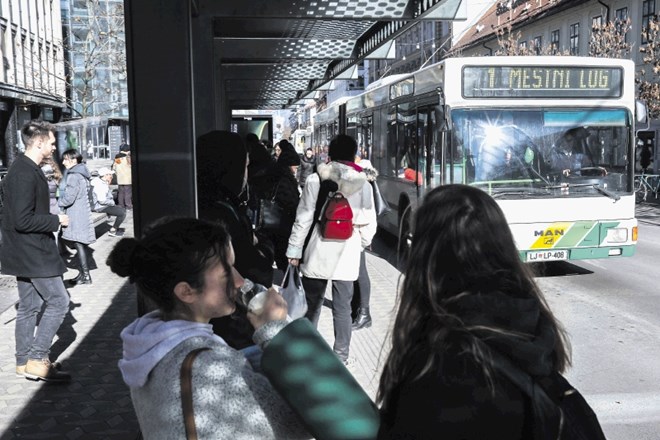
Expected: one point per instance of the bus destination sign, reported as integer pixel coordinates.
(542, 82)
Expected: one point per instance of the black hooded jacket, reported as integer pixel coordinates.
(457, 401)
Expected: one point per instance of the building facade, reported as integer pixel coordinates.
(32, 77)
(95, 59)
(564, 27)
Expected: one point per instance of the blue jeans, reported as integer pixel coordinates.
(32, 293)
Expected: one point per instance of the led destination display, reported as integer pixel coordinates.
(542, 82)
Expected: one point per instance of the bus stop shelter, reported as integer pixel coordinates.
(191, 62)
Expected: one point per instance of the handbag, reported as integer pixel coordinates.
(293, 292)
(380, 204)
(270, 215)
(186, 393)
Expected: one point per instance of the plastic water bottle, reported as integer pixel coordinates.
(253, 295)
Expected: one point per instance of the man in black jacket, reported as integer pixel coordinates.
(29, 252)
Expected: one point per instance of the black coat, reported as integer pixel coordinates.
(306, 168)
(455, 399)
(28, 244)
(456, 403)
(253, 261)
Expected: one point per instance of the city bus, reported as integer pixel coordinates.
(550, 138)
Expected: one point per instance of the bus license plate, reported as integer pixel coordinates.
(547, 255)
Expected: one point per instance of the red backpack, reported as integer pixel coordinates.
(337, 218)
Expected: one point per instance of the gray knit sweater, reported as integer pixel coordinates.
(230, 399)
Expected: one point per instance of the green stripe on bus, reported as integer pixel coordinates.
(575, 234)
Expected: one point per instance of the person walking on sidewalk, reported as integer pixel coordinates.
(122, 166)
(362, 286)
(361, 297)
(75, 202)
(334, 260)
(105, 202)
(29, 252)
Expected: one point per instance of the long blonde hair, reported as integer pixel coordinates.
(57, 173)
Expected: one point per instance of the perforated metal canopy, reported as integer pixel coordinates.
(274, 54)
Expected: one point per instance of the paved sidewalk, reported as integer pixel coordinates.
(96, 404)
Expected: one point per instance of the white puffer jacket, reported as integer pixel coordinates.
(329, 259)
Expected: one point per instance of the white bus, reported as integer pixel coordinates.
(550, 138)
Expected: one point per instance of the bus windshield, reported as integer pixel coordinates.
(535, 151)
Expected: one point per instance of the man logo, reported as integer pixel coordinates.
(549, 233)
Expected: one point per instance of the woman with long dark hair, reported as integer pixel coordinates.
(466, 302)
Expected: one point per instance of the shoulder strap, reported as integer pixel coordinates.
(229, 207)
(186, 393)
(275, 191)
(548, 415)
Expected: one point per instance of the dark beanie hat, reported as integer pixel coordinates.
(288, 155)
(221, 158)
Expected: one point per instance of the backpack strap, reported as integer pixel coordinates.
(325, 188)
(548, 417)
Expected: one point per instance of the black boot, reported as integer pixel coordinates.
(363, 319)
(85, 278)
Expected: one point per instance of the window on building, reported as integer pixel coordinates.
(523, 45)
(574, 39)
(648, 15)
(538, 43)
(596, 22)
(620, 20)
(554, 41)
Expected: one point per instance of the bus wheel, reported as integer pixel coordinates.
(405, 239)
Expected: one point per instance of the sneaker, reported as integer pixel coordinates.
(115, 233)
(42, 369)
(348, 362)
(20, 369)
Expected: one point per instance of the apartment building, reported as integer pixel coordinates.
(32, 78)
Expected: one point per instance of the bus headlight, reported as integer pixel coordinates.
(617, 235)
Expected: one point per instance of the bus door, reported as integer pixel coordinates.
(364, 138)
(429, 121)
(457, 157)
(399, 167)
(352, 126)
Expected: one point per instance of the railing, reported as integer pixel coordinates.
(645, 184)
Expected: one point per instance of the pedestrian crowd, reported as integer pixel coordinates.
(475, 350)
(48, 202)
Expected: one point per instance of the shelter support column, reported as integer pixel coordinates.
(161, 104)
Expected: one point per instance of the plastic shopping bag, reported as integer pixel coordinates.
(293, 292)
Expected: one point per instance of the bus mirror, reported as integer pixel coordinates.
(641, 112)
